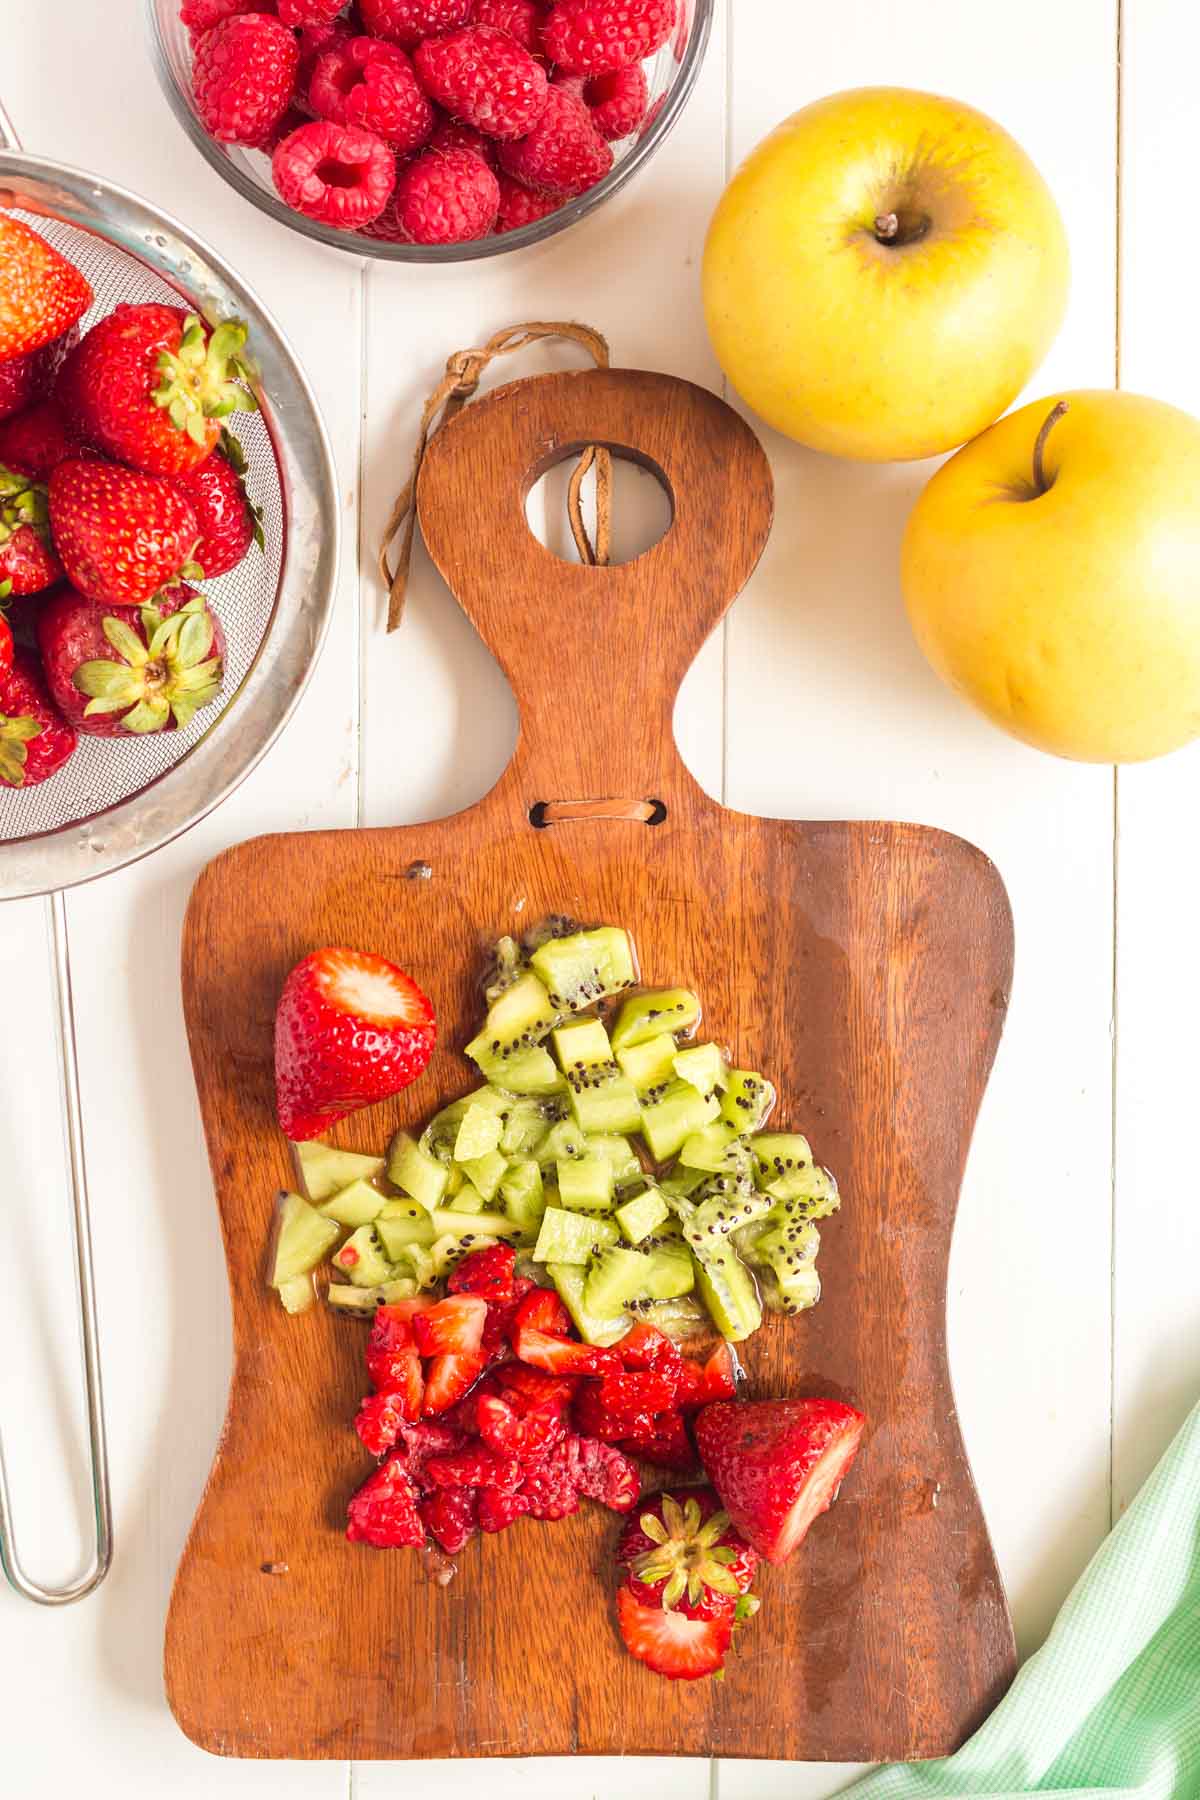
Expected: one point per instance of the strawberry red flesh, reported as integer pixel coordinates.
(777, 1464)
(545, 1312)
(669, 1643)
(488, 1273)
(448, 1378)
(561, 1356)
(454, 1327)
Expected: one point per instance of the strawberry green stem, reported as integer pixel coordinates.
(207, 377)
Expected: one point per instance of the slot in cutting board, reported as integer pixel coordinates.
(864, 967)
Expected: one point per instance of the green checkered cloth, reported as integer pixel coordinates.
(1109, 1707)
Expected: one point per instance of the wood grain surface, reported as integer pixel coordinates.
(865, 967)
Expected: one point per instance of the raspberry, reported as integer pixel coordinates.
(378, 1421)
(384, 1510)
(593, 37)
(617, 101)
(446, 197)
(339, 174)
(485, 78)
(473, 1466)
(386, 227)
(497, 1511)
(418, 1443)
(313, 40)
(449, 1516)
(201, 15)
(291, 121)
(452, 134)
(550, 1487)
(242, 76)
(602, 1473)
(406, 22)
(521, 206)
(308, 12)
(564, 154)
(521, 19)
(365, 82)
(529, 1437)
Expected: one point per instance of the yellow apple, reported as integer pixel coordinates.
(1052, 574)
(883, 274)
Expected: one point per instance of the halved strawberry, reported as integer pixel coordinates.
(454, 1327)
(488, 1273)
(560, 1356)
(447, 1379)
(680, 1648)
(351, 1028)
(777, 1464)
(545, 1312)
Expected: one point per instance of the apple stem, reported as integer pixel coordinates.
(1040, 484)
(887, 226)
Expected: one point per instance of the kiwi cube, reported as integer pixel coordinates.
(415, 1173)
(519, 1016)
(395, 1234)
(639, 1216)
(650, 1064)
(603, 1100)
(355, 1205)
(416, 1263)
(668, 1122)
(521, 1192)
(672, 1272)
(617, 1149)
(781, 1155)
(748, 1100)
(805, 1194)
(528, 1071)
(302, 1239)
(703, 1065)
(565, 1139)
(298, 1294)
(586, 967)
(594, 1328)
(725, 1213)
(709, 1148)
(473, 1225)
(582, 1044)
(615, 1277)
(524, 1127)
(485, 1173)
(467, 1200)
(344, 1298)
(585, 1184)
(323, 1170)
(571, 1237)
(361, 1257)
(649, 1015)
(727, 1289)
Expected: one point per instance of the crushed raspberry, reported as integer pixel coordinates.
(475, 1465)
(378, 1421)
(384, 1510)
(603, 1473)
(338, 174)
(449, 1516)
(497, 1511)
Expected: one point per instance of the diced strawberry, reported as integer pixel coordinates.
(447, 1379)
(534, 1385)
(529, 1437)
(603, 1473)
(544, 1311)
(379, 1419)
(488, 1273)
(496, 1511)
(450, 1516)
(384, 1510)
(454, 1327)
(667, 1444)
(475, 1465)
(560, 1356)
(690, 1391)
(623, 1406)
(671, 1644)
(392, 1361)
(645, 1347)
(409, 1308)
(720, 1377)
(499, 1320)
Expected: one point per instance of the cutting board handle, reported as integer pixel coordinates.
(595, 656)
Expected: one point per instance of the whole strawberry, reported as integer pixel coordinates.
(243, 73)
(28, 563)
(338, 174)
(148, 384)
(593, 37)
(37, 440)
(564, 154)
(6, 646)
(777, 1464)
(34, 740)
(121, 535)
(24, 380)
(228, 523)
(127, 671)
(406, 22)
(445, 197)
(520, 205)
(366, 82)
(350, 1029)
(484, 77)
(41, 293)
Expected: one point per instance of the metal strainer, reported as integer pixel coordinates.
(117, 800)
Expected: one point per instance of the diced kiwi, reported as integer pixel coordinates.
(586, 967)
(669, 1121)
(710, 1147)
(603, 1100)
(787, 1247)
(524, 1127)
(617, 1150)
(649, 1064)
(467, 1200)
(416, 1261)
(703, 1065)
(727, 1289)
(806, 1194)
(571, 1237)
(446, 1252)
(747, 1100)
(357, 1204)
(781, 1156)
(649, 1015)
(801, 1290)
(639, 1216)
(530, 1071)
(478, 1132)
(323, 1170)
(440, 1135)
(522, 1194)
(508, 965)
(486, 1172)
(397, 1233)
(682, 1182)
(722, 1214)
(580, 1045)
(302, 1240)
(585, 1183)
(455, 1181)
(361, 1257)
(344, 1298)
(570, 1279)
(518, 1018)
(415, 1173)
(672, 1271)
(677, 1319)
(615, 1277)
(297, 1294)
(561, 1141)
(473, 1225)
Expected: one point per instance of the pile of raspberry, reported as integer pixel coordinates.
(428, 121)
(485, 1409)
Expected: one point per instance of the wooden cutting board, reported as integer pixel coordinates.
(865, 967)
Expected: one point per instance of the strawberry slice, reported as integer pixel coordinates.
(543, 1310)
(777, 1464)
(488, 1273)
(560, 1356)
(454, 1327)
(671, 1644)
(350, 1029)
(447, 1379)
(534, 1385)
(718, 1378)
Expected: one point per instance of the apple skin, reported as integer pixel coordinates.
(1071, 618)
(884, 352)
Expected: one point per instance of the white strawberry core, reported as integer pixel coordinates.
(368, 990)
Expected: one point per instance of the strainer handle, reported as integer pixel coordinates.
(98, 1566)
(8, 131)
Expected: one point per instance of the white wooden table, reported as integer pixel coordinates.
(1075, 1331)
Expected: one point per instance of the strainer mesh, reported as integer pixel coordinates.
(105, 771)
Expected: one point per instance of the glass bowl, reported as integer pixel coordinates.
(671, 75)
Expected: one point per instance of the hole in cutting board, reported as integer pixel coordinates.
(642, 509)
